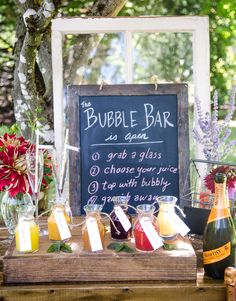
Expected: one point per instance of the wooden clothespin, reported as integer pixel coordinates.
(102, 84)
(154, 79)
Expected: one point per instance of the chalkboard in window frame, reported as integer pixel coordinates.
(135, 92)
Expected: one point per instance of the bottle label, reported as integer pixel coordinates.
(122, 218)
(94, 234)
(180, 226)
(217, 214)
(24, 236)
(151, 233)
(216, 255)
(61, 224)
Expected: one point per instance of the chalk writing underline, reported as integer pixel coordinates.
(131, 143)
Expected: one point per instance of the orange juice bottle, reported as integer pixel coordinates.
(93, 219)
(54, 230)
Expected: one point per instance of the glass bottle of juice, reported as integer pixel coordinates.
(145, 229)
(27, 231)
(166, 223)
(120, 219)
(58, 221)
(93, 230)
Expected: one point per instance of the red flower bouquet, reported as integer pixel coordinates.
(13, 171)
(228, 170)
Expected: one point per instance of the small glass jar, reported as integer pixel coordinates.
(169, 223)
(53, 231)
(165, 218)
(93, 214)
(27, 231)
(116, 223)
(142, 242)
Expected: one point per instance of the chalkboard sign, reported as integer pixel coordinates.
(133, 141)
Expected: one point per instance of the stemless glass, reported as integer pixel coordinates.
(35, 174)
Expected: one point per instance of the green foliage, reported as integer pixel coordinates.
(7, 26)
(14, 129)
(222, 17)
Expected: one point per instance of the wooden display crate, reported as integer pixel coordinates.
(105, 266)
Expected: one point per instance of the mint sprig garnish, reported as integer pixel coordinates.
(120, 247)
(59, 246)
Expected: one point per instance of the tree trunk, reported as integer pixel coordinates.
(32, 94)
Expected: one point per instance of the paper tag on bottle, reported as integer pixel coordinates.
(181, 227)
(61, 224)
(24, 236)
(152, 235)
(94, 234)
(122, 218)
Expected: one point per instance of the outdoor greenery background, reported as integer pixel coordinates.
(153, 54)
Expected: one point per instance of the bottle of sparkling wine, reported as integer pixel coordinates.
(219, 239)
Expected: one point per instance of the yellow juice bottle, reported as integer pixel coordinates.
(27, 231)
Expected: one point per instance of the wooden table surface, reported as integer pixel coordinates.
(204, 289)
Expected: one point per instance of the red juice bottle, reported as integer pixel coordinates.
(142, 243)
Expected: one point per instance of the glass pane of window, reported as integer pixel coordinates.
(104, 60)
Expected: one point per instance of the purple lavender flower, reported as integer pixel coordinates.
(212, 133)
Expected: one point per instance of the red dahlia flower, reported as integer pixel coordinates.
(13, 171)
(227, 170)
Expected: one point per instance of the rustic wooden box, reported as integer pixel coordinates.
(105, 266)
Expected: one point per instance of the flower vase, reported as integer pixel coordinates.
(9, 207)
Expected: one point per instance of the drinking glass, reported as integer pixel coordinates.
(34, 164)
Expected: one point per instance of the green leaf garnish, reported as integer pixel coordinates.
(169, 247)
(113, 245)
(59, 246)
(127, 249)
(120, 247)
(54, 248)
(66, 248)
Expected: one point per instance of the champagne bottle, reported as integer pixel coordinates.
(219, 238)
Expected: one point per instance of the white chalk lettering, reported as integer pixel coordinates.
(156, 119)
(121, 155)
(108, 186)
(110, 119)
(111, 138)
(148, 198)
(128, 184)
(148, 154)
(131, 137)
(170, 169)
(118, 170)
(155, 182)
(142, 170)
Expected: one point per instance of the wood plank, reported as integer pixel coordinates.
(121, 292)
(105, 266)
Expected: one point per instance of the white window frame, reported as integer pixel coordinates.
(197, 26)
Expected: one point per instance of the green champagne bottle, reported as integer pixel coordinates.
(219, 238)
